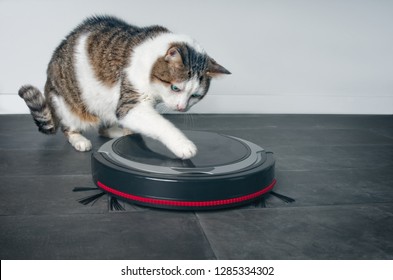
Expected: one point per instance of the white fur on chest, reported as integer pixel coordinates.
(99, 99)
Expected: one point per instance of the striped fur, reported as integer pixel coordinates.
(39, 109)
(105, 69)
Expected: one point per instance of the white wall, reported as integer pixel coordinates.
(286, 56)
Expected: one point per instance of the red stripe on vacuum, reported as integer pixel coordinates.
(178, 203)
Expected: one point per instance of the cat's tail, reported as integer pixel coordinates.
(39, 109)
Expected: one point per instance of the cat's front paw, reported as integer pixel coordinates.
(185, 150)
(79, 142)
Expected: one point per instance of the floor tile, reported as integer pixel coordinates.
(333, 157)
(340, 232)
(137, 235)
(32, 139)
(336, 187)
(47, 195)
(271, 138)
(44, 162)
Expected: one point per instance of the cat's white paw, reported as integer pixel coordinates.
(83, 145)
(185, 149)
(80, 143)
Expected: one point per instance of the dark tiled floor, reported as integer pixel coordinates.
(338, 168)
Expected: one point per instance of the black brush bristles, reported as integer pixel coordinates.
(83, 189)
(114, 204)
(260, 203)
(91, 199)
(282, 197)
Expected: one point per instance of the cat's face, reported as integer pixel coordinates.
(182, 77)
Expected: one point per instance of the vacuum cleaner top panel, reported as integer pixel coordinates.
(217, 154)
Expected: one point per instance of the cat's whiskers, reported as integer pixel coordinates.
(162, 109)
(188, 121)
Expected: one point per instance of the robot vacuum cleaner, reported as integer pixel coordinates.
(227, 171)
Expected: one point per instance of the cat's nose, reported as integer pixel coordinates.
(180, 108)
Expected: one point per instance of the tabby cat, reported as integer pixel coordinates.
(111, 75)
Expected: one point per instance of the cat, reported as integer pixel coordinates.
(110, 75)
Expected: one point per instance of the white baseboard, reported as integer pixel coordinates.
(260, 104)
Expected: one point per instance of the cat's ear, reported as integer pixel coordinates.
(215, 70)
(173, 56)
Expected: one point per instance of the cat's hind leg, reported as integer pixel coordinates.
(73, 123)
(113, 131)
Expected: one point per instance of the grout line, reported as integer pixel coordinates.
(319, 206)
(387, 203)
(205, 235)
(54, 215)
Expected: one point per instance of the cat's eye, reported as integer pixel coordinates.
(175, 88)
(195, 95)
